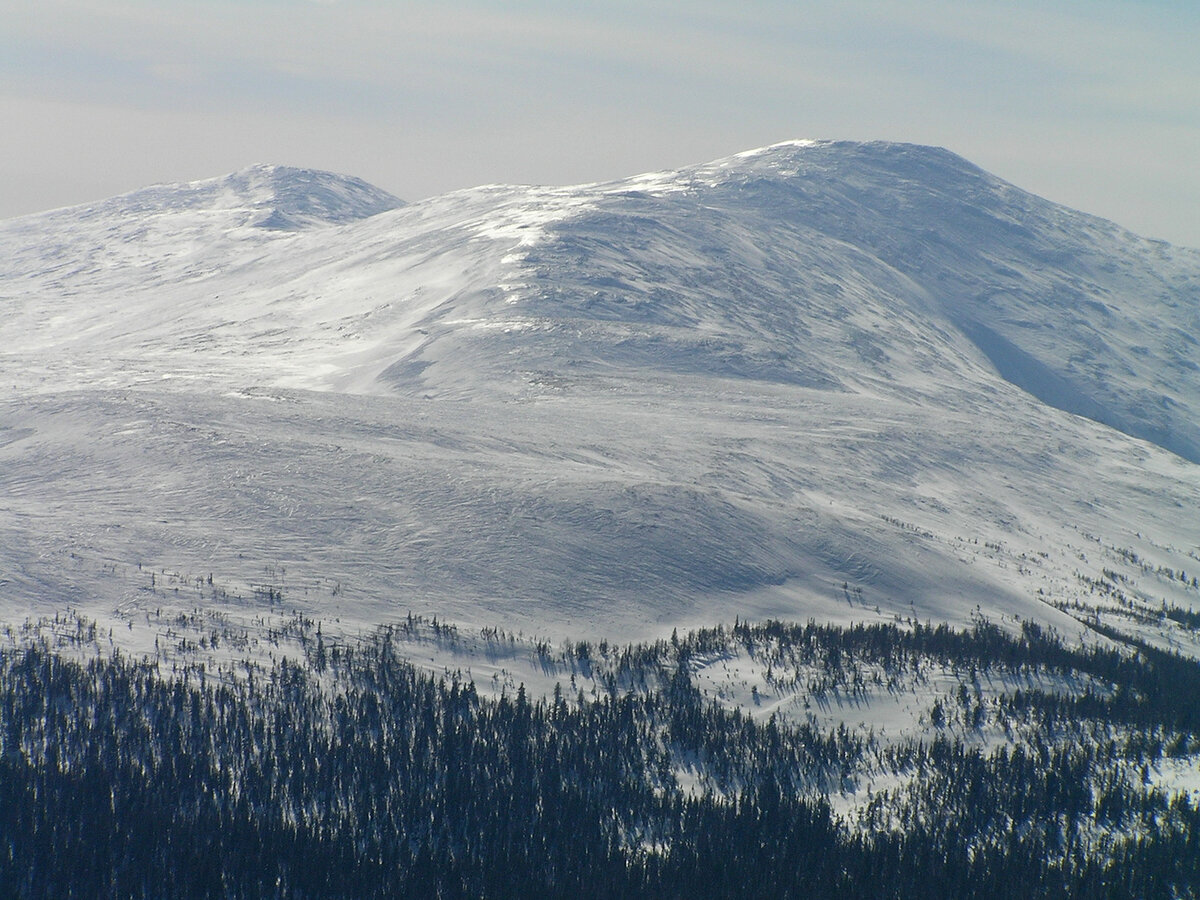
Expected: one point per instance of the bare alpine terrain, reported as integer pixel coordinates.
(832, 380)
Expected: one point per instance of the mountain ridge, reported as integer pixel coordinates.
(769, 385)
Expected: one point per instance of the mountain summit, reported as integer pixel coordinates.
(817, 379)
(300, 197)
(279, 197)
(1080, 313)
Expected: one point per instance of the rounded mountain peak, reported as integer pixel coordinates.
(295, 198)
(794, 157)
(267, 196)
(822, 165)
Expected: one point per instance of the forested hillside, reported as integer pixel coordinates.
(350, 773)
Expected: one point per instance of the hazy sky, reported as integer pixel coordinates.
(1094, 104)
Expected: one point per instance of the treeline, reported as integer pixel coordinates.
(352, 774)
(1124, 681)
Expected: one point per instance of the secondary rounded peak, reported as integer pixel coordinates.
(273, 196)
(295, 197)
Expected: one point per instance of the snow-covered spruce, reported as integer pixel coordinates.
(348, 772)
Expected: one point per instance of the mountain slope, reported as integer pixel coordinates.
(736, 266)
(818, 379)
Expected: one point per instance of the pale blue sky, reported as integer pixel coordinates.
(1094, 104)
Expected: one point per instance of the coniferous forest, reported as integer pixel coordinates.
(348, 773)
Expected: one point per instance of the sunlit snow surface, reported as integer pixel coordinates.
(829, 380)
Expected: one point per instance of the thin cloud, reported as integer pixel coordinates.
(460, 93)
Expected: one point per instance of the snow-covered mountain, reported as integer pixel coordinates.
(831, 380)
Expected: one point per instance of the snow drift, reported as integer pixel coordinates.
(848, 381)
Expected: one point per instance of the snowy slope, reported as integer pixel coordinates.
(847, 381)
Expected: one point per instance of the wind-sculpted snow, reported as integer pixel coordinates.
(776, 264)
(833, 380)
(1085, 316)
